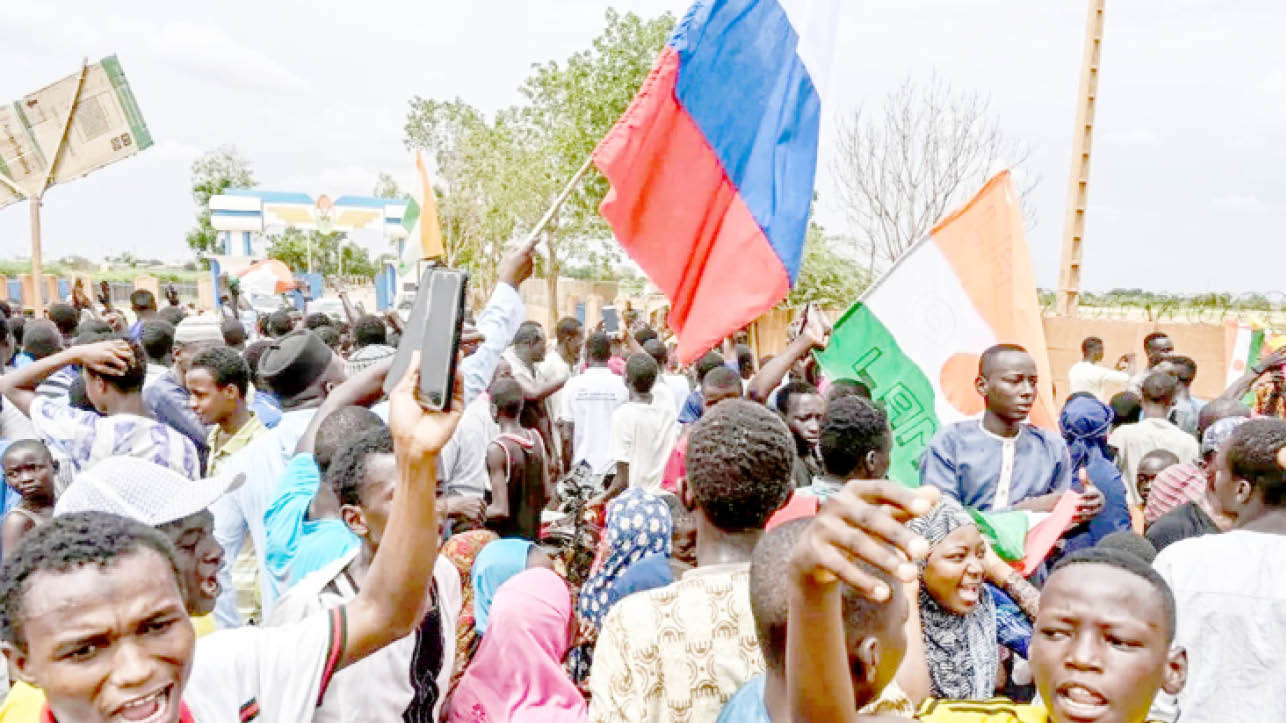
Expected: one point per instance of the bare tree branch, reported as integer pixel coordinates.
(899, 172)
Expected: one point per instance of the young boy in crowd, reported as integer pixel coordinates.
(29, 470)
(678, 653)
(1154, 431)
(643, 432)
(1105, 630)
(1231, 588)
(520, 486)
(1152, 464)
(1000, 461)
(113, 372)
(875, 637)
(855, 443)
(802, 406)
(95, 577)
(217, 380)
(408, 679)
(181, 518)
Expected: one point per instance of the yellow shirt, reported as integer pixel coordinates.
(222, 446)
(996, 710)
(25, 702)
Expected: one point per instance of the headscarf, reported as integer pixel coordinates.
(638, 524)
(959, 649)
(1085, 422)
(462, 549)
(497, 562)
(517, 675)
(1219, 432)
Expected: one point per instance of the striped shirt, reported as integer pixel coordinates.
(85, 438)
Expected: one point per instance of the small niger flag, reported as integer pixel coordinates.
(424, 239)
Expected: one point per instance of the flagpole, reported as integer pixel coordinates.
(558, 202)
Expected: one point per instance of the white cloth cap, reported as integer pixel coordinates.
(198, 328)
(142, 491)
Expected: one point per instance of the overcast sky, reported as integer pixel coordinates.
(1187, 191)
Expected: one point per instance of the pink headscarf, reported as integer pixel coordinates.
(517, 675)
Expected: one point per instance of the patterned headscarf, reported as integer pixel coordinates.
(960, 649)
(638, 525)
(1219, 432)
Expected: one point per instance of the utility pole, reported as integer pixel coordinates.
(1069, 277)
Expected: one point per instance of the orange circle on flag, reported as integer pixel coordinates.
(955, 379)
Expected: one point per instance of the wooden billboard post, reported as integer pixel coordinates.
(40, 150)
(1069, 277)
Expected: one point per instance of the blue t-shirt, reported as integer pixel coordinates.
(747, 704)
(297, 545)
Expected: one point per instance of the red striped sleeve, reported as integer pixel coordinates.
(335, 649)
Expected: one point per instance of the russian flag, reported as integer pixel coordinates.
(712, 165)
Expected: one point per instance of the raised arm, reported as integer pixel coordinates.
(1241, 386)
(498, 322)
(392, 599)
(107, 357)
(770, 375)
(362, 389)
(863, 522)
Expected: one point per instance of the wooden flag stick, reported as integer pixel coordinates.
(534, 235)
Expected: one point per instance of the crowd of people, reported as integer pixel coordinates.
(211, 520)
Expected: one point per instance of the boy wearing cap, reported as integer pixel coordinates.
(94, 577)
(159, 498)
(113, 373)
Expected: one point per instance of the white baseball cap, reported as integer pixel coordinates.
(141, 490)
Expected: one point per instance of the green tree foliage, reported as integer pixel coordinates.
(332, 253)
(499, 176)
(213, 173)
(386, 187)
(825, 276)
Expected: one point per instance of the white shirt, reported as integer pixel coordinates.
(279, 672)
(679, 389)
(643, 436)
(1134, 441)
(1230, 594)
(462, 463)
(589, 399)
(1092, 378)
(376, 688)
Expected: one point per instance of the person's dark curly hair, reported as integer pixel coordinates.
(739, 462)
(93, 326)
(157, 338)
(1133, 564)
(1252, 455)
(172, 314)
(225, 367)
(348, 468)
(317, 320)
(851, 428)
(132, 379)
(329, 336)
(279, 323)
(64, 317)
(369, 330)
(66, 543)
(791, 391)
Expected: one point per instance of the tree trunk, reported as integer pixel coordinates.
(551, 282)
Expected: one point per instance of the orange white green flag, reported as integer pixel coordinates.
(915, 336)
(424, 234)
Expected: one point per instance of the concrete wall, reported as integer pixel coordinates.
(1206, 344)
